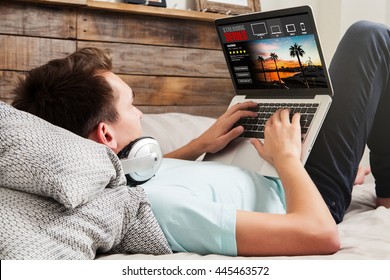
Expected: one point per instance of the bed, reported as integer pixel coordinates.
(56, 198)
(364, 233)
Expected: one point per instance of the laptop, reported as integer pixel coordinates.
(274, 59)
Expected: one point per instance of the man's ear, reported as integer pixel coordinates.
(103, 134)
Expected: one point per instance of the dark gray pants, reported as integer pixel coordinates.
(360, 114)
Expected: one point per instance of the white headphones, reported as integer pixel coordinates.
(140, 160)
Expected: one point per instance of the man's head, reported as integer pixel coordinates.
(81, 94)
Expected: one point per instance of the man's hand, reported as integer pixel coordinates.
(282, 138)
(221, 132)
(218, 135)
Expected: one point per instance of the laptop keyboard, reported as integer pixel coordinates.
(254, 127)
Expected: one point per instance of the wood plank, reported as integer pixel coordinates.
(60, 2)
(25, 53)
(8, 80)
(194, 100)
(131, 9)
(173, 91)
(155, 60)
(144, 29)
(37, 20)
(155, 11)
(206, 111)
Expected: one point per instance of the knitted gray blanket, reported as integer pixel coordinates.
(65, 197)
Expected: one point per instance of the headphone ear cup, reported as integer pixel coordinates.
(143, 160)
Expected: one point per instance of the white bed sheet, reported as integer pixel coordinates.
(364, 233)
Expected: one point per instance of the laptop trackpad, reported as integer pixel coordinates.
(241, 152)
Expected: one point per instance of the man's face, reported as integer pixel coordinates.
(128, 126)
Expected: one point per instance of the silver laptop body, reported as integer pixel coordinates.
(274, 59)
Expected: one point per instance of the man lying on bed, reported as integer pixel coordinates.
(209, 208)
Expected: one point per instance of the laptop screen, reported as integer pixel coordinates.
(269, 53)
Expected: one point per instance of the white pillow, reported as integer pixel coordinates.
(173, 130)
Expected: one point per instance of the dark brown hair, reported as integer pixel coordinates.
(69, 92)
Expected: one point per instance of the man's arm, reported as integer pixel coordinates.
(218, 135)
(307, 227)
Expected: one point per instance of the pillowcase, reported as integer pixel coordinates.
(173, 130)
(119, 220)
(39, 158)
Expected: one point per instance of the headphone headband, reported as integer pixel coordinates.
(140, 160)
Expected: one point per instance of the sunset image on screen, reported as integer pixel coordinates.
(288, 62)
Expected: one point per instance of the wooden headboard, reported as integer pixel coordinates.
(171, 58)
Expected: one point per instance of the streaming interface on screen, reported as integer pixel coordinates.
(273, 53)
